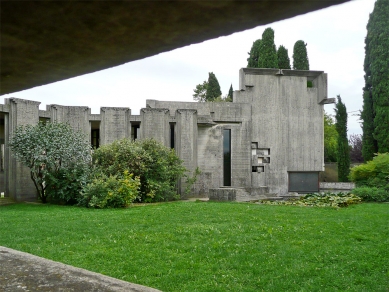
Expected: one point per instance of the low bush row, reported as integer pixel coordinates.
(320, 200)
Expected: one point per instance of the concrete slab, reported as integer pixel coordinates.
(20, 271)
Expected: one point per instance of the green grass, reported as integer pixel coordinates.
(188, 246)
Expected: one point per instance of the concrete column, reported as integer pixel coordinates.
(186, 141)
(18, 184)
(155, 124)
(76, 116)
(115, 124)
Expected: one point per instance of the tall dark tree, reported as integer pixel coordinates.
(375, 112)
(267, 50)
(283, 58)
(213, 88)
(343, 147)
(231, 93)
(300, 56)
(252, 61)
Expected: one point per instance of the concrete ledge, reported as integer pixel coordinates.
(20, 271)
(336, 187)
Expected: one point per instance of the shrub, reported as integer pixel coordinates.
(110, 191)
(372, 194)
(157, 166)
(374, 173)
(51, 151)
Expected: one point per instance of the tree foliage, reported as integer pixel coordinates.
(283, 58)
(330, 139)
(252, 61)
(267, 50)
(157, 167)
(200, 92)
(375, 113)
(343, 147)
(231, 94)
(355, 142)
(53, 151)
(213, 88)
(300, 56)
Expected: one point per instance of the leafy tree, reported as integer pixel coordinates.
(343, 147)
(213, 88)
(54, 153)
(283, 58)
(157, 167)
(252, 61)
(330, 139)
(231, 93)
(267, 50)
(355, 142)
(300, 56)
(375, 112)
(200, 92)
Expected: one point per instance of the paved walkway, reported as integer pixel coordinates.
(20, 271)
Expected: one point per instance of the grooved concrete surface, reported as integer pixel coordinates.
(20, 271)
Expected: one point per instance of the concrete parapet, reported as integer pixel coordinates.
(238, 194)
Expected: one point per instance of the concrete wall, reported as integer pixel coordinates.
(276, 125)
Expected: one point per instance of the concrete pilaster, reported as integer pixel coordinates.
(155, 124)
(76, 116)
(115, 124)
(18, 184)
(186, 141)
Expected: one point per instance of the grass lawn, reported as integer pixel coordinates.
(190, 246)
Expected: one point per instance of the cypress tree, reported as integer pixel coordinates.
(283, 58)
(343, 147)
(375, 112)
(267, 50)
(252, 61)
(213, 88)
(300, 56)
(231, 93)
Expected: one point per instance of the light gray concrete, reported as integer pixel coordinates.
(20, 271)
(276, 125)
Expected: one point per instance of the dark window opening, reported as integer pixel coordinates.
(96, 138)
(227, 157)
(95, 134)
(172, 136)
(135, 128)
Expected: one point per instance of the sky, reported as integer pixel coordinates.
(335, 44)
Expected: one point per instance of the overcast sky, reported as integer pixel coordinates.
(335, 38)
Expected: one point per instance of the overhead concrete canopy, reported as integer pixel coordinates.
(47, 41)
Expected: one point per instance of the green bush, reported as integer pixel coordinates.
(110, 191)
(65, 185)
(372, 194)
(320, 200)
(157, 166)
(374, 173)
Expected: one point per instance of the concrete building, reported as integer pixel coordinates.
(268, 141)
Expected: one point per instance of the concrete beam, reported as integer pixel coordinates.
(48, 41)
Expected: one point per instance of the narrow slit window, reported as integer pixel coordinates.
(227, 157)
